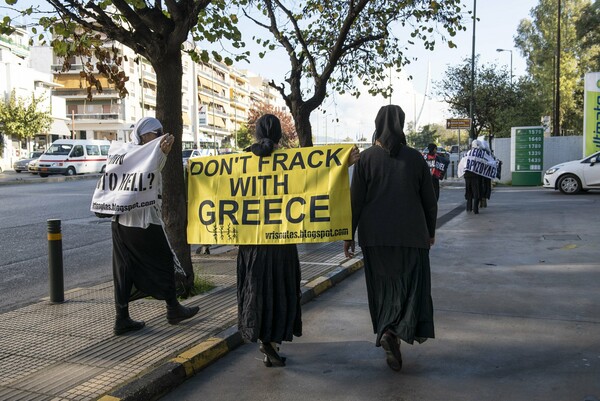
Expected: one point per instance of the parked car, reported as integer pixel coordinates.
(33, 167)
(74, 156)
(187, 154)
(23, 164)
(574, 176)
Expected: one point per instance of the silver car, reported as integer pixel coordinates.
(23, 164)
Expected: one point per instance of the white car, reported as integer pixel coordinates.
(187, 154)
(574, 176)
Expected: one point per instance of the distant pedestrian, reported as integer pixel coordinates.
(437, 167)
(395, 208)
(473, 185)
(143, 261)
(485, 192)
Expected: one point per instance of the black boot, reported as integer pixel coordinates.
(124, 324)
(272, 358)
(476, 206)
(177, 313)
(469, 205)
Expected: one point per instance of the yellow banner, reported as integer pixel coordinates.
(292, 196)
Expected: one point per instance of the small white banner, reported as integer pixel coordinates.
(130, 180)
(480, 162)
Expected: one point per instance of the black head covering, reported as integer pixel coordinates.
(268, 134)
(389, 128)
(431, 148)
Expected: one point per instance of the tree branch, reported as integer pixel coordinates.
(361, 41)
(300, 37)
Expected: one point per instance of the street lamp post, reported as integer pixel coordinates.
(472, 100)
(511, 63)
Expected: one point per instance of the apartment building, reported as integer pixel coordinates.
(216, 98)
(215, 101)
(28, 79)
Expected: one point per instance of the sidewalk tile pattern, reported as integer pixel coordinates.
(67, 351)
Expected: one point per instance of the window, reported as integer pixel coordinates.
(59, 150)
(104, 149)
(77, 151)
(92, 150)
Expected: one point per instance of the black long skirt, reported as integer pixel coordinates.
(268, 292)
(143, 263)
(399, 292)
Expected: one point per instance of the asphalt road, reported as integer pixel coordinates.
(24, 246)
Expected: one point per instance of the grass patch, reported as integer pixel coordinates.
(201, 285)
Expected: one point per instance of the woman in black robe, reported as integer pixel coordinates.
(395, 209)
(268, 276)
(143, 261)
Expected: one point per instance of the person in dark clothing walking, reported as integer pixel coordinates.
(268, 276)
(395, 209)
(435, 166)
(143, 261)
(473, 186)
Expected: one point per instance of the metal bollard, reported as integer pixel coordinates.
(452, 168)
(55, 262)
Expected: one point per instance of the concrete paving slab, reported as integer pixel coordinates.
(67, 351)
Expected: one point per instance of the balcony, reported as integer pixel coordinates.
(94, 116)
(17, 48)
(150, 76)
(216, 112)
(211, 94)
(211, 129)
(212, 77)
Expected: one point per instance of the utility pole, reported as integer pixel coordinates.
(472, 101)
(556, 130)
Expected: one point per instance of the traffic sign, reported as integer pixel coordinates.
(458, 123)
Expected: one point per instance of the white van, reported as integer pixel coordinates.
(74, 156)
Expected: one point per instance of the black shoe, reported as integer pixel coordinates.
(267, 361)
(271, 355)
(392, 351)
(178, 313)
(126, 324)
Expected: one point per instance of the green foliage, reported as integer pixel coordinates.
(339, 44)
(537, 40)
(22, 118)
(498, 106)
(446, 137)
(244, 137)
(588, 33)
(493, 95)
(201, 286)
(420, 139)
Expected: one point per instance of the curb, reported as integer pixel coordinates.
(51, 178)
(160, 380)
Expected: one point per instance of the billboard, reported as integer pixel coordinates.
(591, 114)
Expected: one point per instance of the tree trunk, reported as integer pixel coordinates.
(174, 209)
(303, 127)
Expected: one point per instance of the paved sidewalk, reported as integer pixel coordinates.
(68, 351)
